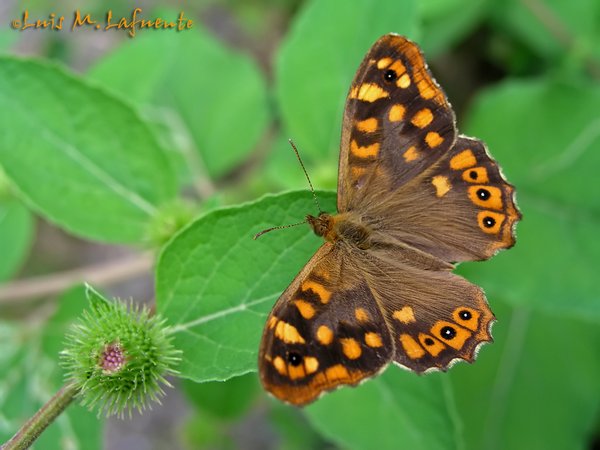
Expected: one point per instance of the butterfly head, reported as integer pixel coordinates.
(322, 225)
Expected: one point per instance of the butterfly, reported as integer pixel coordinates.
(414, 198)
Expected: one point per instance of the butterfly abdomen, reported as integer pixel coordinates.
(341, 227)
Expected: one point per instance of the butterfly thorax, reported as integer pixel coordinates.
(340, 227)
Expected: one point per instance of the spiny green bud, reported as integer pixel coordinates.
(169, 219)
(118, 356)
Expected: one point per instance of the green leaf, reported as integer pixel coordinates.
(15, 401)
(546, 136)
(224, 400)
(16, 233)
(294, 431)
(445, 22)
(318, 59)
(69, 306)
(214, 97)
(215, 284)
(79, 156)
(396, 410)
(536, 387)
(30, 376)
(96, 299)
(552, 27)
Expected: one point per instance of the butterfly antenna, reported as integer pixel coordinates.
(306, 175)
(257, 235)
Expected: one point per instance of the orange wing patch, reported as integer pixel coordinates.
(405, 315)
(324, 335)
(373, 339)
(398, 67)
(411, 154)
(280, 365)
(320, 290)
(433, 139)
(361, 314)
(306, 309)
(428, 89)
(368, 125)
(288, 333)
(431, 344)
(322, 381)
(467, 317)
(422, 118)
(351, 348)
(311, 364)
(476, 175)
(368, 151)
(384, 62)
(368, 92)
(490, 222)
(404, 81)
(486, 196)
(463, 160)
(411, 347)
(451, 334)
(396, 113)
(441, 184)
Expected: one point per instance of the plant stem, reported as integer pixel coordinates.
(98, 275)
(29, 432)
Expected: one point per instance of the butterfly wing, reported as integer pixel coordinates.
(428, 199)
(434, 316)
(397, 123)
(404, 170)
(460, 209)
(326, 330)
(431, 198)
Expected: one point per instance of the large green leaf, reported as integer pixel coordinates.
(214, 97)
(318, 59)
(215, 284)
(546, 135)
(397, 410)
(16, 233)
(80, 156)
(552, 27)
(223, 400)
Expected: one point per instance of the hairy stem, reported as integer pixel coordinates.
(29, 432)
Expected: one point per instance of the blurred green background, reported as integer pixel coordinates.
(123, 162)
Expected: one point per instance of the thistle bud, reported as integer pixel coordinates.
(118, 356)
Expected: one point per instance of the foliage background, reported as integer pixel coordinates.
(115, 148)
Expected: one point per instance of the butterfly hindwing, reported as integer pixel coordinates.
(397, 122)
(432, 323)
(326, 330)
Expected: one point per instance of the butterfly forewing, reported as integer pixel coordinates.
(326, 330)
(397, 122)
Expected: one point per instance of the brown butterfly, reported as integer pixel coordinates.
(414, 198)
